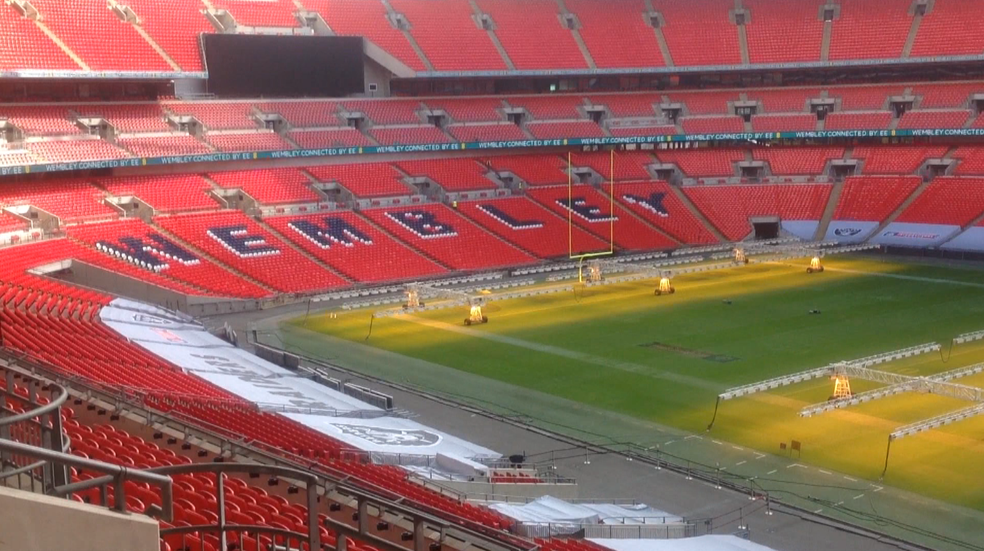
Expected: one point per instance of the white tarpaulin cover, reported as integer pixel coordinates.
(702, 543)
(970, 240)
(804, 229)
(848, 231)
(557, 511)
(187, 345)
(389, 438)
(908, 234)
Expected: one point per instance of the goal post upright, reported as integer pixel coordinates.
(570, 216)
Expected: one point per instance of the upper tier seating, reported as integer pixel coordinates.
(531, 227)
(895, 159)
(657, 203)
(97, 36)
(971, 160)
(616, 34)
(364, 179)
(24, 46)
(269, 186)
(128, 117)
(468, 109)
(387, 111)
(533, 169)
(783, 123)
(163, 146)
(798, 160)
(268, 13)
(873, 198)
(659, 130)
(505, 131)
(784, 100)
(626, 165)
(874, 120)
(946, 94)
(240, 242)
(409, 135)
(14, 157)
(629, 105)
(217, 115)
(447, 237)
(316, 139)
(514, 21)
(302, 114)
(706, 103)
(367, 18)
(947, 200)
(782, 32)
(264, 140)
(175, 25)
(979, 121)
(76, 150)
(874, 29)
(546, 130)
(451, 41)
(354, 247)
(699, 32)
(711, 125)
(174, 193)
(450, 174)
(730, 207)
(549, 106)
(950, 28)
(697, 163)
(865, 98)
(592, 211)
(149, 256)
(40, 120)
(934, 119)
(69, 199)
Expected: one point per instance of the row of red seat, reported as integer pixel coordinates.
(444, 30)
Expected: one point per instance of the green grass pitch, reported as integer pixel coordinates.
(664, 359)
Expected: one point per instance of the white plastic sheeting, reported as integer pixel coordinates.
(804, 229)
(551, 510)
(394, 440)
(970, 240)
(701, 543)
(907, 234)
(187, 345)
(848, 231)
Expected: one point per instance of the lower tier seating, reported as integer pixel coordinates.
(697, 163)
(899, 159)
(447, 237)
(69, 199)
(178, 193)
(450, 174)
(531, 227)
(873, 198)
(364, 180)
(623, 165)
(730, 207)
(269, 186)
(798, 160)
(533, 169)
(241, 243)
(657, 203)
(147, 253)
(592, 210)
(354, 247)
(947, 200)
